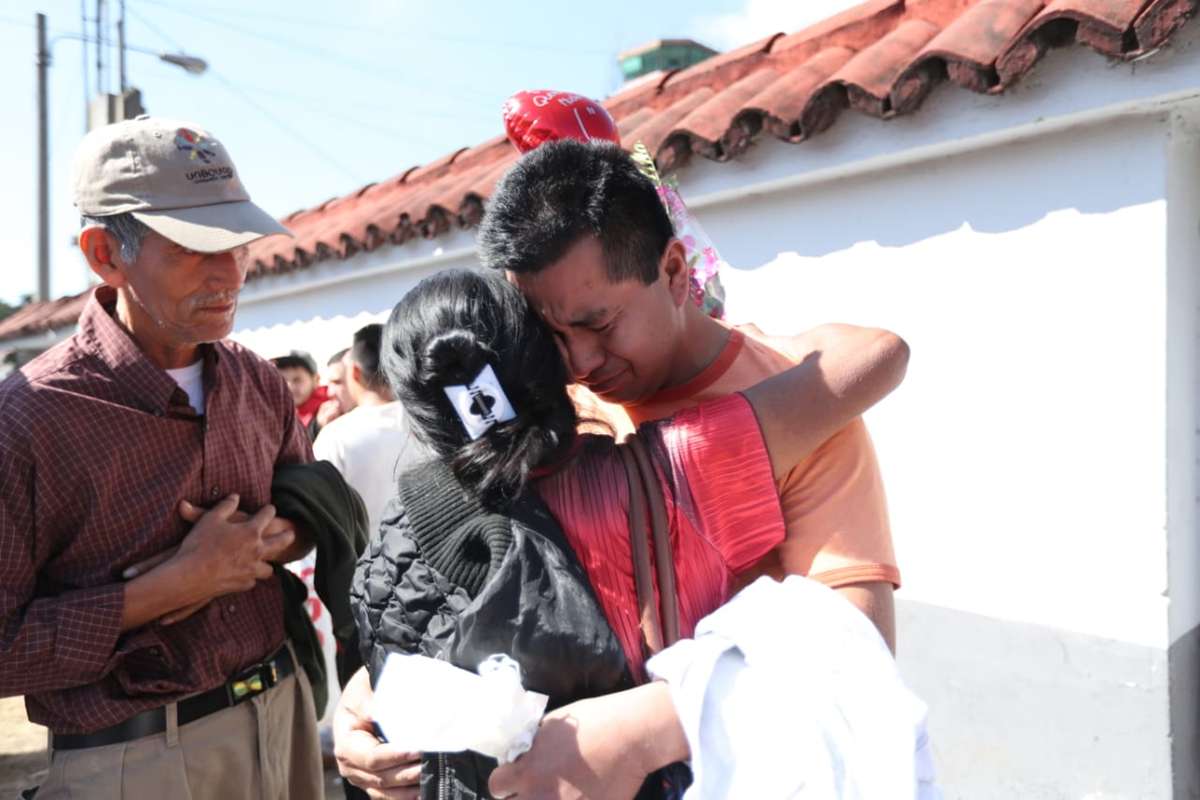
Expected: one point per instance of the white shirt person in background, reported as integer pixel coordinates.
(371, 444)
(339, 401)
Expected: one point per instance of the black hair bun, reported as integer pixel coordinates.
(453, 357)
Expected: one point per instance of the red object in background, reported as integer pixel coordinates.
(308, 409)
(533, 117)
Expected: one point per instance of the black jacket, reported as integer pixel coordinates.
(316, 498)
(450, 579)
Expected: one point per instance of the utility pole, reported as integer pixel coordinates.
(121, 51)
(43, 266)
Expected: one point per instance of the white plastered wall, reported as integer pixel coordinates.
(1183, 366)
(1025, 448)
(319, 309)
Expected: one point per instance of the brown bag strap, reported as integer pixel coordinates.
(651, 549)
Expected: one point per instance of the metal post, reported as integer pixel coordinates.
(121, 52)
(43, 263)
(100, 87)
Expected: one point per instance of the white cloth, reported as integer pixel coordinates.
(790, 691)
(365, 444)
(425, 705)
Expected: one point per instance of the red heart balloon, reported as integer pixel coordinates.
(531, 118)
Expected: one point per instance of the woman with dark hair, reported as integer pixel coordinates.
(470, 562)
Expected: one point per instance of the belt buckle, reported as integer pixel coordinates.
(253, 680)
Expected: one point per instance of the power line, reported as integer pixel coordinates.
(317, 110)
(299, 47)
(239, 90)
(507, 44)
(290, 130)
(343, 102)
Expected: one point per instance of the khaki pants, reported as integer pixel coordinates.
(266, 747)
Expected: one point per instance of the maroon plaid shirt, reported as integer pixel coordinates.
(97, 447)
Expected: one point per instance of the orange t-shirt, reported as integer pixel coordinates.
(833, 502)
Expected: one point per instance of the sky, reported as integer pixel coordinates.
(316, 99)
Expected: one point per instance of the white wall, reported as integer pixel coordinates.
(1026, 447)
(1183, 366)
(318, 309)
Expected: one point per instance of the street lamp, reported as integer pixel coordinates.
(191, 64)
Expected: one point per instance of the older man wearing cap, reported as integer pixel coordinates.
(141, 615)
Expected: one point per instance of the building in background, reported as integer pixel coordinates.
(662, 55)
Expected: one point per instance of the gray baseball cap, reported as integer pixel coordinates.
(174, 177)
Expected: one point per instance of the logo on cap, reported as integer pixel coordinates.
(195, 145)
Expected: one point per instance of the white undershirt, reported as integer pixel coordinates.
(191, 380)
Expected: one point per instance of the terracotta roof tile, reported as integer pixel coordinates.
(855, 29)
(43, 316)
(780, 106)
(655, 130)
(881, 58)
(965, 51)
(627, 125)
(870, 75)
(1161, 19)
(1106, 26)
(708, 128)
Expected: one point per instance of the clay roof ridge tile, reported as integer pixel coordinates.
(712, 127)
(662, 135)
(965, 51)
(782, 103)
(1159, 21)
(636, 94)
(869, 77)
(1105, 26)
(855, 28)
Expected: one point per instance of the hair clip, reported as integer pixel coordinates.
(481, 403)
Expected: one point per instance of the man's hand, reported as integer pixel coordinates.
(378, 768)
(328, 411)
(274, 543)
(224, 553)
(600, 748)
(227, 551)
(279, 535)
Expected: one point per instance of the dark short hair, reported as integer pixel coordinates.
(365, 353)
(562, 191)
(296, 359)
(442, 333)
(337, 357)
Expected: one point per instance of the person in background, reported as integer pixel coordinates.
(372, 443)
(143, 617)
(369, 445)
(339, 401)
(300, 372)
